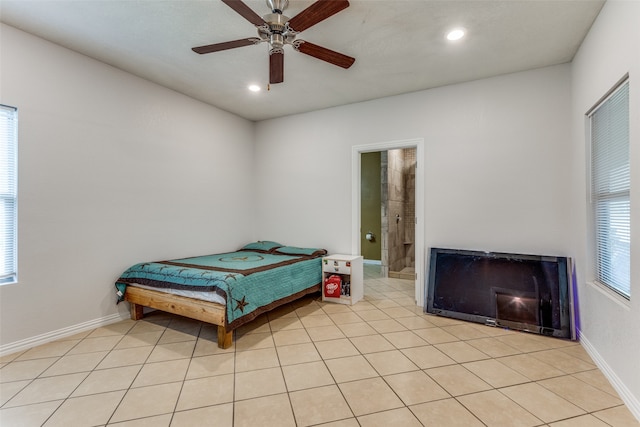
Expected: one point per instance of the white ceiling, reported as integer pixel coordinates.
(399, 45)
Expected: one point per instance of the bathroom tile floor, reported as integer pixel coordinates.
(381, 362)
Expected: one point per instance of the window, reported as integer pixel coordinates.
(610, 189)
(8, 193)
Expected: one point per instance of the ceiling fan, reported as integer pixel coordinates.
(279, 30)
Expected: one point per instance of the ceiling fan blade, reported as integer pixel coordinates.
(324, 54)
(318, 11)
(276, 67)
(245, 11)
(226, 45)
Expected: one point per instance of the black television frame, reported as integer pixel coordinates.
(566, 328)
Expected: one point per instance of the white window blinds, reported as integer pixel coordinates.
(8, 193)
(610, 190)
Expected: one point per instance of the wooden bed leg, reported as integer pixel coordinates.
(136, 311)
(224, 338)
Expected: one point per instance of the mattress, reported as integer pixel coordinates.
(199, 295)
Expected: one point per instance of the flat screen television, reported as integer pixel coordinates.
(531, 293)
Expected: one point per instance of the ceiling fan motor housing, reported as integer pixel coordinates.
(276, 22)
(278, 33)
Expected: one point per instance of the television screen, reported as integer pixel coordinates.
(524, 292)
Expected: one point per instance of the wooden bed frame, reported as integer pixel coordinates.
(204, 311)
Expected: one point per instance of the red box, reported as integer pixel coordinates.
(332, 286)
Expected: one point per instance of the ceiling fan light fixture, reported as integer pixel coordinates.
(455, 34)
(254, 88)
(277, 41)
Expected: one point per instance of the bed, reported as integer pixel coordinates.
(225, 289)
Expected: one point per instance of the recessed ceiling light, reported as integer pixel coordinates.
(254, 88)
(456, 34)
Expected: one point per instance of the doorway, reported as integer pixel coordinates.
(387, 211)
(401, 220)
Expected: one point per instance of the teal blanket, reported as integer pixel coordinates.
(251, 281)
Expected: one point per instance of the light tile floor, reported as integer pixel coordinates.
(381, 362)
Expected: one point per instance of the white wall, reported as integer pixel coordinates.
(495, 166)
(609, 327)
(113, 170)
(496, 155)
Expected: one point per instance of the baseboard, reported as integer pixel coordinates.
(627, 397)
(60, 333)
